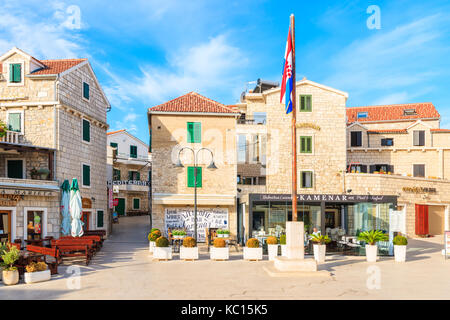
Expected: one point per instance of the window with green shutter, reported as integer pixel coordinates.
(133, 151)
(305, 103)
(114, 145)
(136, 203)
(305, 144)
(116, 174)
(191, 178)
(134, 175)
(194, 132)
(85, 90)
(100, 219)
(15, 122)
(86, 130)
(86, 175)
(15, 73)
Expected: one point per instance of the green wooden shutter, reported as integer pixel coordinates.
(15, 72)
(86, 175)
(191, 178)
(86, 90)
(308, 104)
(133, 151)
(114, 145)
(302, 103)
(130, 175)
(190, 132)
(100, 219)
(197, 132)
(116, 174)
(138, 175)
(136, 203)
(305, 103)
(305, 144)
(199, 177)
(308, 144)
(15, 122)
(86, 130)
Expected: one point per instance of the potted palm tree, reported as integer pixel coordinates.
(219, 250)
(10, 274)
(319, 246)
(252, 251)
(272, 247)
(283, 245)
(400, 244)
(162, 250)
(189, 249)
(371, 238)
(152, 236)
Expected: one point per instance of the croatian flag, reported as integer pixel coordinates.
(287, 82)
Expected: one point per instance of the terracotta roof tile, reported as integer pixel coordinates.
(57, 66)
(192, 102)
(112, 132)
(392, 112)
(440, 130)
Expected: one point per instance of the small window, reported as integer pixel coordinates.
(15, 121)
(191, 177)
(362, 115)
(419, 170)
(136, 203)
(134, 175)
(418, 138)
(388, 142)
(116, 174)
(356, 138)
(86, 175)
(306, 144)
(194, 132)
(86, 130)
(305, 103)
(15, 73)
(85, 90)
(306, 179)
(100, 219)
(114, 145)
(133, 151)
(409, 112)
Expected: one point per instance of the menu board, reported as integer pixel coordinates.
(206, 218)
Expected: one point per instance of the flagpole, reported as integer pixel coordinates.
(294, 128)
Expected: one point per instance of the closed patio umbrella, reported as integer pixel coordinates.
(75, 209)
(65, 197)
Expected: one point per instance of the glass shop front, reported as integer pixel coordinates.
(341, 217)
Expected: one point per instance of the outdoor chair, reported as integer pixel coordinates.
(232, 242)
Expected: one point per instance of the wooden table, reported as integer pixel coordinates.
(25, 258)
(35, 242)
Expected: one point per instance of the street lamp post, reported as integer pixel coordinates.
(211, 166)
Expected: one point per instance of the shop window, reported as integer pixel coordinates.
(388, 142)
(15, 73)
(133, 151)
(356, 139)
(34, 224)
(86, 175)
(419, 170)
(86, 130)
(136, 203)
(191, 177)
(305, 103)
(134, 175)
(305, 144)
(418, 138)
(5, 226)
(306, 179)
(194, 132)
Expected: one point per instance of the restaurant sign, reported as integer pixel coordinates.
(27, 192)
(131, 182)
(9, 200)
(419, 190)
(206, 218)
(325, 198)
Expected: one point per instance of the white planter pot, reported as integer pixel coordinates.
(253, 253)
(151, 246)
(371, 253)
(10, 277)
(283, 250)
(219, 253)
(188, 253)
(400, 253)
(319, 252)
(220, 235)
(273, 251)
(39, 276)
(163, 253)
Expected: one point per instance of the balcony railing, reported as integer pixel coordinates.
(11, 137)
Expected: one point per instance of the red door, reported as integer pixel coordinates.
(422, 227)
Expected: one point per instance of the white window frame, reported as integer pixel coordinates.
(424, 170)
(22, 75)
(90, 131)
(82, 90)
(139, 203)
(43, 222)
(24, 167)
(313, 179)
(90, 175)
(313, 142)
(22, 119)
(13, 220)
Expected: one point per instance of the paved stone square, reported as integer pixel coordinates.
(124, 269)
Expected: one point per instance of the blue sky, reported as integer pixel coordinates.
(149, 51)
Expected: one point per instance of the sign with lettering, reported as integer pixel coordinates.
(131, 182)
(110, 198)
(9, 200)
(419, 190)
(27, 192)
(325, 198)
(308, 125)
(206, 218)
(397, 221)
(86, 203)
(115, 202)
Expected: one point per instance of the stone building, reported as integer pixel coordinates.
(54, 116)
(196, 122)
(131, 173)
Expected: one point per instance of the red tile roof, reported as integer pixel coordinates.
(440, 130)
(57, 66)
(392, 112)
(192, 102)
(388, 131)
(112, 132)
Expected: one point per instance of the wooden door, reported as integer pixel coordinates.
(5, 226)
(85, 217)
(422, 227)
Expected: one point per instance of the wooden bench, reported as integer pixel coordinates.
(97, 240)
(53, 252)
(75, 248)
(101, 233)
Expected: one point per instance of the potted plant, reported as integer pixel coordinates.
(152, 236)
(37, 272)
(400, 244)
(3, 129)
(43, 172)
(219, 233)
(252, 251)
(272, 247)
(283, 245)
(34, 174)
(371, 238)
(162, 250)
(178, 234)
(225, 233)
(219, 250)
(319, 246)
(189, 249)
(10, 274)
(3, 247)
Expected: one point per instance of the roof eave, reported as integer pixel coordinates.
(218, 114)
